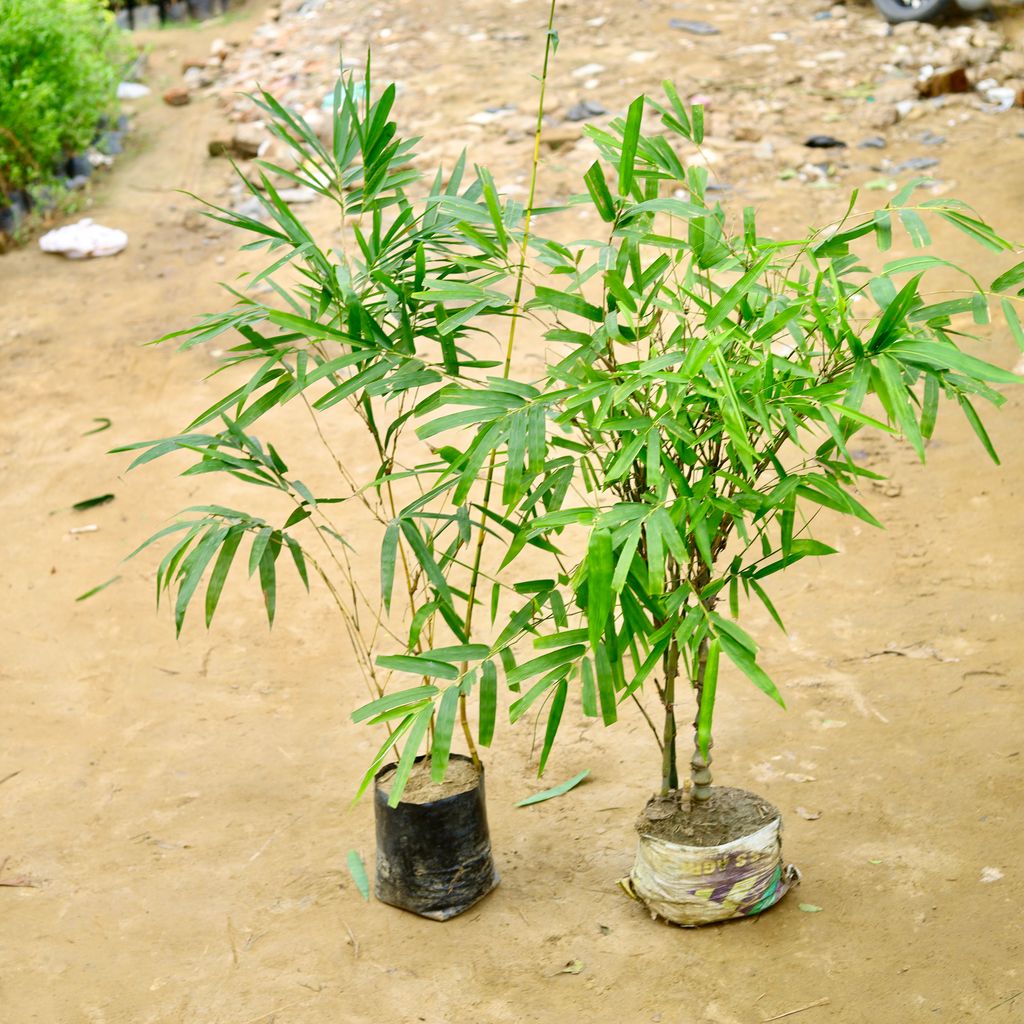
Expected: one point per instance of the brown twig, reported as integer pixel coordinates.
(7, 778)
(352, 940)
(1008, 999)
(800, 1009)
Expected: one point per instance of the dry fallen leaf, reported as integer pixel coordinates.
(572, 967)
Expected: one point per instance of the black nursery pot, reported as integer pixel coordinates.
(433, 859)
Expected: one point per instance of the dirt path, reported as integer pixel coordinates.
(176, 815)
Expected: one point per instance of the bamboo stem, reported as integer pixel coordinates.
(669, 768)
(699, 765)
(474, 578)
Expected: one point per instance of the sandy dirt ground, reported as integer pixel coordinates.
(175, 815)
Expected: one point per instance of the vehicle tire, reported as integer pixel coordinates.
(913, 10)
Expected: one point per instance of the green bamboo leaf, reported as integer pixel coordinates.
(630, 139)
(417, 730)
(388, 554)
(600, 595)
(706, 710)
(554, 720)
(426, 560)
(268, 575)
(894, 395)
(192, 567)
(444, 726)
(488, 702)
(948, 357)
(930, 406)
(299, 558)
(697, 116)
(599, 192)
(978, 427)
(560, 790)
(588, 695)
(1013, 322)
(743, 659)
(220, 570)
(357, 870)
(1009, 278)
(458, 652)
(104, 424)
(95, 590)
(545, 663)
(410, 698)
(259, 545)
(88, 503)
(418, 665)
(895, 314)
(605, 685)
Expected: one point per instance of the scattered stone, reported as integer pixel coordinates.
(905, 108)
(483, 117)
(588, 70)
(883, 117)
(1002, 97)
(584, 110)
(561, 137)
(944, 80)
(825, 142)
(177, 96)
(696, 28)
(931, 139)
(746, 133)
(247, 140)
(916, 163)
(893, 90)
(873, 142)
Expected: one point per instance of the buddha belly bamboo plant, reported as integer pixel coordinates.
(701, 388)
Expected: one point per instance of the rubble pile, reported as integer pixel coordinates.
(773, 77)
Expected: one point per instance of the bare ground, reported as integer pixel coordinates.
(176, 814)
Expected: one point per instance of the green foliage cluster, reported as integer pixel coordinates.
(60, 63)
(702, 385)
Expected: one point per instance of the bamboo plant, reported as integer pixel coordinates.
(701, 387)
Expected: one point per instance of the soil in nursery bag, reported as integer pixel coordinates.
(726, 815)
(434, 849)
(701, 862)
(460, 777)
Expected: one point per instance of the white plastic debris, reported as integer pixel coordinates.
(86, 238)
(989, 875)
(131, 90)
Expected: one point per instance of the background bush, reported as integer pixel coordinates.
(60, 63)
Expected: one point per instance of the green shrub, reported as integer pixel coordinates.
(60, 62)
